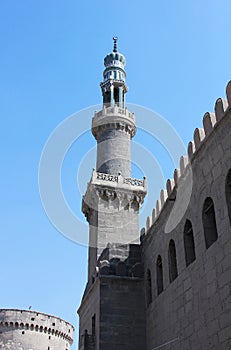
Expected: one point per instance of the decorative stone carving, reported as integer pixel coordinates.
(133, 182)
(111, 198)
(107, 177)
(104, 124)
(115, 110)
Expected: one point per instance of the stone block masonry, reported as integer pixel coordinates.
(194, 309)
(31, 330)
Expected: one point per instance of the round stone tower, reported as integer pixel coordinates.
(31, 330)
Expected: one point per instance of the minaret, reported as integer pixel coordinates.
(113, 198)
(112, 203)
(113, 140)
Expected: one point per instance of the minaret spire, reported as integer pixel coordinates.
(115, 38)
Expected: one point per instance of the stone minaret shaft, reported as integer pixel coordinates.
(113, 199)
(114, 127)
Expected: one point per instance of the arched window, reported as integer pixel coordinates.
(159, 275)
(172, 261)
(149, 287)
(228, 194)
(189, 245)
(209, 222)
(93, 325)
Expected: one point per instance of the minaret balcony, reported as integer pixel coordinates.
(119, 181)
(115, 110)
(108, 187)
(115, 117)
(116, 183)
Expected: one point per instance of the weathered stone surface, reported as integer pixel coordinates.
(122, 321)
(137, 270)
(105, 270)
(195, 308)
(25, 329)
(121, 269)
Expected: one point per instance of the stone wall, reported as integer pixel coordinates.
(90, 306)
(117, 304)
(114, 299)
(122, 317)
(188, 289)
(30, 330)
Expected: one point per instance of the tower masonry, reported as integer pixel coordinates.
(113, 199)
(31, 330)
(114, 126)
(111, 205)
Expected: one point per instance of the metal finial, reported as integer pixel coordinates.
(115, 43)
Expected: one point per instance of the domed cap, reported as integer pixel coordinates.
(115, 59)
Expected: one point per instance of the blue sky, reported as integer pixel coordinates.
(178, 64)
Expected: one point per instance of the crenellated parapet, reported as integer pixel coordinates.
(211, 121)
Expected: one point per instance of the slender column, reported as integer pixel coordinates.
(112, 102)
(121, 97)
